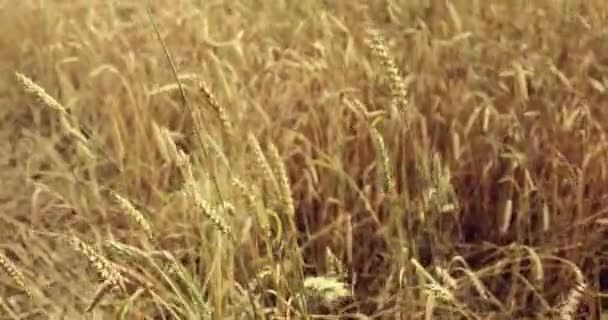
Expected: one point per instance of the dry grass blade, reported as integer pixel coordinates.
(198, 125)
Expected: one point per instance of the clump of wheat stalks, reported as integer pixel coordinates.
(165, 268)
(286, 205)
(396, 82)
(11, 269)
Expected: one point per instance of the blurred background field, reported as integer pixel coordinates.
(332, 159)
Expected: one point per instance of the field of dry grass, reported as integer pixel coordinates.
(303, 159)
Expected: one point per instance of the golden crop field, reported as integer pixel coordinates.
(247, 159)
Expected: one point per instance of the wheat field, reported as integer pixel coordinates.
(250, 159)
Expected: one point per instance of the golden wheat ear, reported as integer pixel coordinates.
(14, 273)
(396, 82)
(280, 171)
(104, 268)
(217, 107)
(262, 164)
(39, 93)
(386, 177)
(137, 216)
